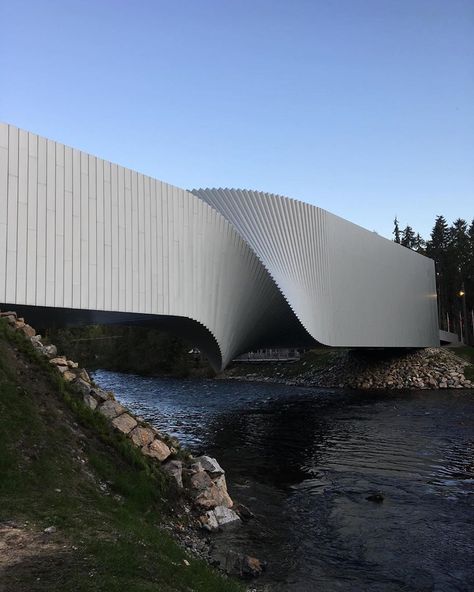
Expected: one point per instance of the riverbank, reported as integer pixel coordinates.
(310, 463)
(81, 507)
(430, 368)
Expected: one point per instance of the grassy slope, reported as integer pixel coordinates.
(62, 466)
(467, 353)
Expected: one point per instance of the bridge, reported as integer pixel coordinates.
(83, 240)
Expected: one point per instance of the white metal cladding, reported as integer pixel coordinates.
(78, 233)
(347, 286)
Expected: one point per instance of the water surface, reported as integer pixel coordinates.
(305, 460)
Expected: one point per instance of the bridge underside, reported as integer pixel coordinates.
(284, 334)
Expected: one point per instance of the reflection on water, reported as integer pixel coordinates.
(305, 460)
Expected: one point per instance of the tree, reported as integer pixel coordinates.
(396, 231)
(470, 268)
(436, 248)
(437, 245)
(408, 237)
(419, 244)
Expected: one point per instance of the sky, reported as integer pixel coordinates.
(362, 107)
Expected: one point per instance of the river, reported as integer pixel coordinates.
(305, 460)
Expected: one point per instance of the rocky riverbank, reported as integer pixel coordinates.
(430, 368)
(203, 502)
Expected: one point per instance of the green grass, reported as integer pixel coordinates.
(55, 455)
(466, 353)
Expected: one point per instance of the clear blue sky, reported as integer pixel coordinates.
(363, 107)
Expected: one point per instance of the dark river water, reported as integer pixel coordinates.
(304, 461)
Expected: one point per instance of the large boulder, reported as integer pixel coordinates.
(124, 423)
(210, 465)
(28, 330)
(81, 385)
(223, 495)
(68, 375)
(174, 468)
(225, 515)
(50, 351)
(141, 436)
(59, 361)
(208, 493)
(157, 449)
(111, 409)
(82, 373)
(100, 394)
(36, 341)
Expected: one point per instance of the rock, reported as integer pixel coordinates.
(223, 495)
(101, 395)
(89, 401)
(72, 364)
(50, 351)
(225, 515)
(210, 465)
(36, 341)
(209, 522)
(8, 313)
(376, 497)
(50, 530)
(244, 566)
(157, 449)
(111, 409)
(208, 493)
(28, 330)
(195, 467)
(59, 361)
(174, 468)
(200, 481)
(68, 375)
(124, 423)
(83, 374)
(252, 567)
(81, 385)
(141, 436)
(243, 512)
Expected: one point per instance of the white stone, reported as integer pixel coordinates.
(210, 465)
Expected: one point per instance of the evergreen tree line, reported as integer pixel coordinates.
(452, 248)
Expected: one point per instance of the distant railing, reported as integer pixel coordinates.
(270, 355)
(454, 323)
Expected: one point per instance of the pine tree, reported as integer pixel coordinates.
(396, 231)
(470, 269)
(459, 247)
(436, 248)
(408, 237)
(437, 245)
(419, 245)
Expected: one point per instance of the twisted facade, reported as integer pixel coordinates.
(85, 240)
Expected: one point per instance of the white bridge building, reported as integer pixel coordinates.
(83, 240)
